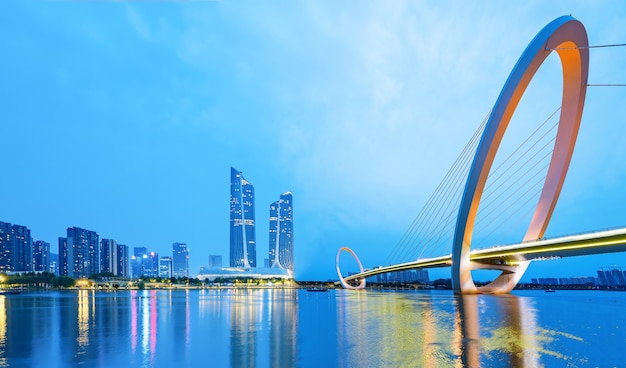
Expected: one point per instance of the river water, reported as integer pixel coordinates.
(286, 327)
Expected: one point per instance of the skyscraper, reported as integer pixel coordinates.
(180, 257)
(16, 247)
(6, 243)
(79, 253)
(113, 258)
(23, 248)
(65, 258)
(108, 256)
(122, 261)
(41, 256)
(137, 261)
(151, 264)
(242, 233)
(165, 267)
(281, 232)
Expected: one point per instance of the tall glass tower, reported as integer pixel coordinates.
(242, 234)
(281, 232)
(180, 259)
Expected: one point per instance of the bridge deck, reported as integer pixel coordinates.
(609, 241)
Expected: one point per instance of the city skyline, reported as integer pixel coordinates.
(126, 115)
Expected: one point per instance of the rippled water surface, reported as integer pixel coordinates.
(283, 328)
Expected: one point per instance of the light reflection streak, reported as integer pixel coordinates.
(133, 320)
(187, 324)
(3, 332)
(153, 325)
(145, 328)
(83, 320)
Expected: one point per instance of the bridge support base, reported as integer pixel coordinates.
(503, 284)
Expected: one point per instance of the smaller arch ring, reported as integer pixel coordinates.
(343, 282)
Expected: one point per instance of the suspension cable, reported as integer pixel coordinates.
(585, 47)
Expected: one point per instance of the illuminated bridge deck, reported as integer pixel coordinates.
(609, 241)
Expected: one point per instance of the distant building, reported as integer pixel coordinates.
(215, 261)
(79, 253)
(602, 278)
(16, 247)
(180, 257)
(113, 258)
(137, 261)
(151, 264)
(401, 277)
(618, 277)
(6, 245)
(611, 277)
(242, 230)
(122, 261)
(108, 255)
(281, 233)
(548, 281)
(54, 264)
(165, 267)
(231, 273)
(41, 256)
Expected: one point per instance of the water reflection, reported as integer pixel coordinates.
(390, 329)
(396, 329)
(511, 336)
(243, 315)
(283, 328)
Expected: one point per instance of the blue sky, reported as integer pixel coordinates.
(125, 118)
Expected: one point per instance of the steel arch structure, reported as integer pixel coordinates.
(566, 36)
(343, 282)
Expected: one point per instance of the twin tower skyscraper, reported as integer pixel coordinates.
(242, 227)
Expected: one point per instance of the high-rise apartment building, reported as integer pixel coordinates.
(23, 248)
(281, 233)
(113, 258)
(41, 256)
(165, 267)
(180, 258)
(6, 244)
(122, 261)
(79, 253)
(16, 248)
(242, 233)
(108, 256)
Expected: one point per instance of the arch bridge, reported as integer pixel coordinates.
(568, 38)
